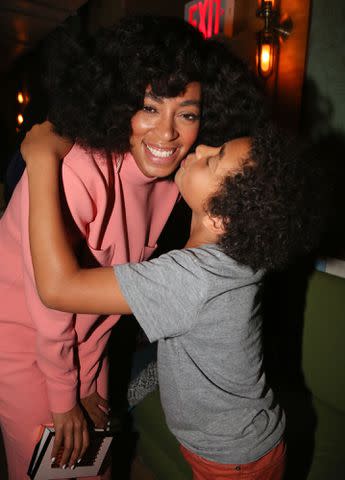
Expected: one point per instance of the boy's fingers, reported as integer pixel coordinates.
(102, 415)
(98, 416)
(104, 403)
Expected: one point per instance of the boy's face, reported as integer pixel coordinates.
(200, 174)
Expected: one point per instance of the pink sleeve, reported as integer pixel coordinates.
(86, 195)
(93, 362)
(55, 330)
(92, 357)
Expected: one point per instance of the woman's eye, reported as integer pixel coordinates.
(149, 109)
(191, 117)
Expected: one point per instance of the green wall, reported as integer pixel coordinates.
(325, 72)
(323, 111)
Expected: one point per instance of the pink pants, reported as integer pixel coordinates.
(269, 467)
(23, 408)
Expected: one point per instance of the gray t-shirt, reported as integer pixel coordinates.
(204, 310)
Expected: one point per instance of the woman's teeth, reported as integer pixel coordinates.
(159, 152)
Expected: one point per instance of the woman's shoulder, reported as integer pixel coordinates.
(80, 157)
(86, 164)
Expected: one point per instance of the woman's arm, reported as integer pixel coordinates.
(61, 283)
(55, 340)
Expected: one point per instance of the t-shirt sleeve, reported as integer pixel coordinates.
(165, 294)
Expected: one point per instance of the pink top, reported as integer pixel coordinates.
(121, 214)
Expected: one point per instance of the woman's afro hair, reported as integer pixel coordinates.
(234, 104)
(272, 210)
(96, 87)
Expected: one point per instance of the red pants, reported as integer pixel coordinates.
(269, 467)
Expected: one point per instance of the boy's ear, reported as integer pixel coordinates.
(214, 224)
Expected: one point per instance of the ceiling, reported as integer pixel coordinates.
(23, 23)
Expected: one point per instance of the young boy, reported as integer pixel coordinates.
(250, 214)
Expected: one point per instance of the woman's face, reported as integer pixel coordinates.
(164, 130)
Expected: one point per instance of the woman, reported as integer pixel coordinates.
(132, 104)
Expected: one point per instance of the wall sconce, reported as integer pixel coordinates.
(23, 97)
(269, 37)
(22, 100)
(266, 54)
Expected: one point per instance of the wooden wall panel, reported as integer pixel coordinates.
(292, 62)
(286, 83)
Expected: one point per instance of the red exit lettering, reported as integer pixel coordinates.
(205, 15)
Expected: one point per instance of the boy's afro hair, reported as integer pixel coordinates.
(273, 209)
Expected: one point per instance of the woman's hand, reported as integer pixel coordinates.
(42, 142)
(97, 408)
(71, 435)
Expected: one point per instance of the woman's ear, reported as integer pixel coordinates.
(214, 224)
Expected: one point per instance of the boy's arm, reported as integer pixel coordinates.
(61, 283)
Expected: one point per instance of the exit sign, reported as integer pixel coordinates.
(211, 17)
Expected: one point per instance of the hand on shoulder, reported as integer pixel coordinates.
(42, 143)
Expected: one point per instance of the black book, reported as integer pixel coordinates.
(91, 464)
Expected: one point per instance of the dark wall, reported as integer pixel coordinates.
(326, 59)
(323, 109)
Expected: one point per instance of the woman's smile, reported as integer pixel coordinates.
(164, 130)
(161, 155)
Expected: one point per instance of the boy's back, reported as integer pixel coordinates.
(204, 309)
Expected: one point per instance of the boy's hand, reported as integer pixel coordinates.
(97, 408)
(41, 143)
(71, 434)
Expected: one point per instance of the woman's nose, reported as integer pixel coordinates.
(167, 128)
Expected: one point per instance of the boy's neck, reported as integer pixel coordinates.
(200, 234)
